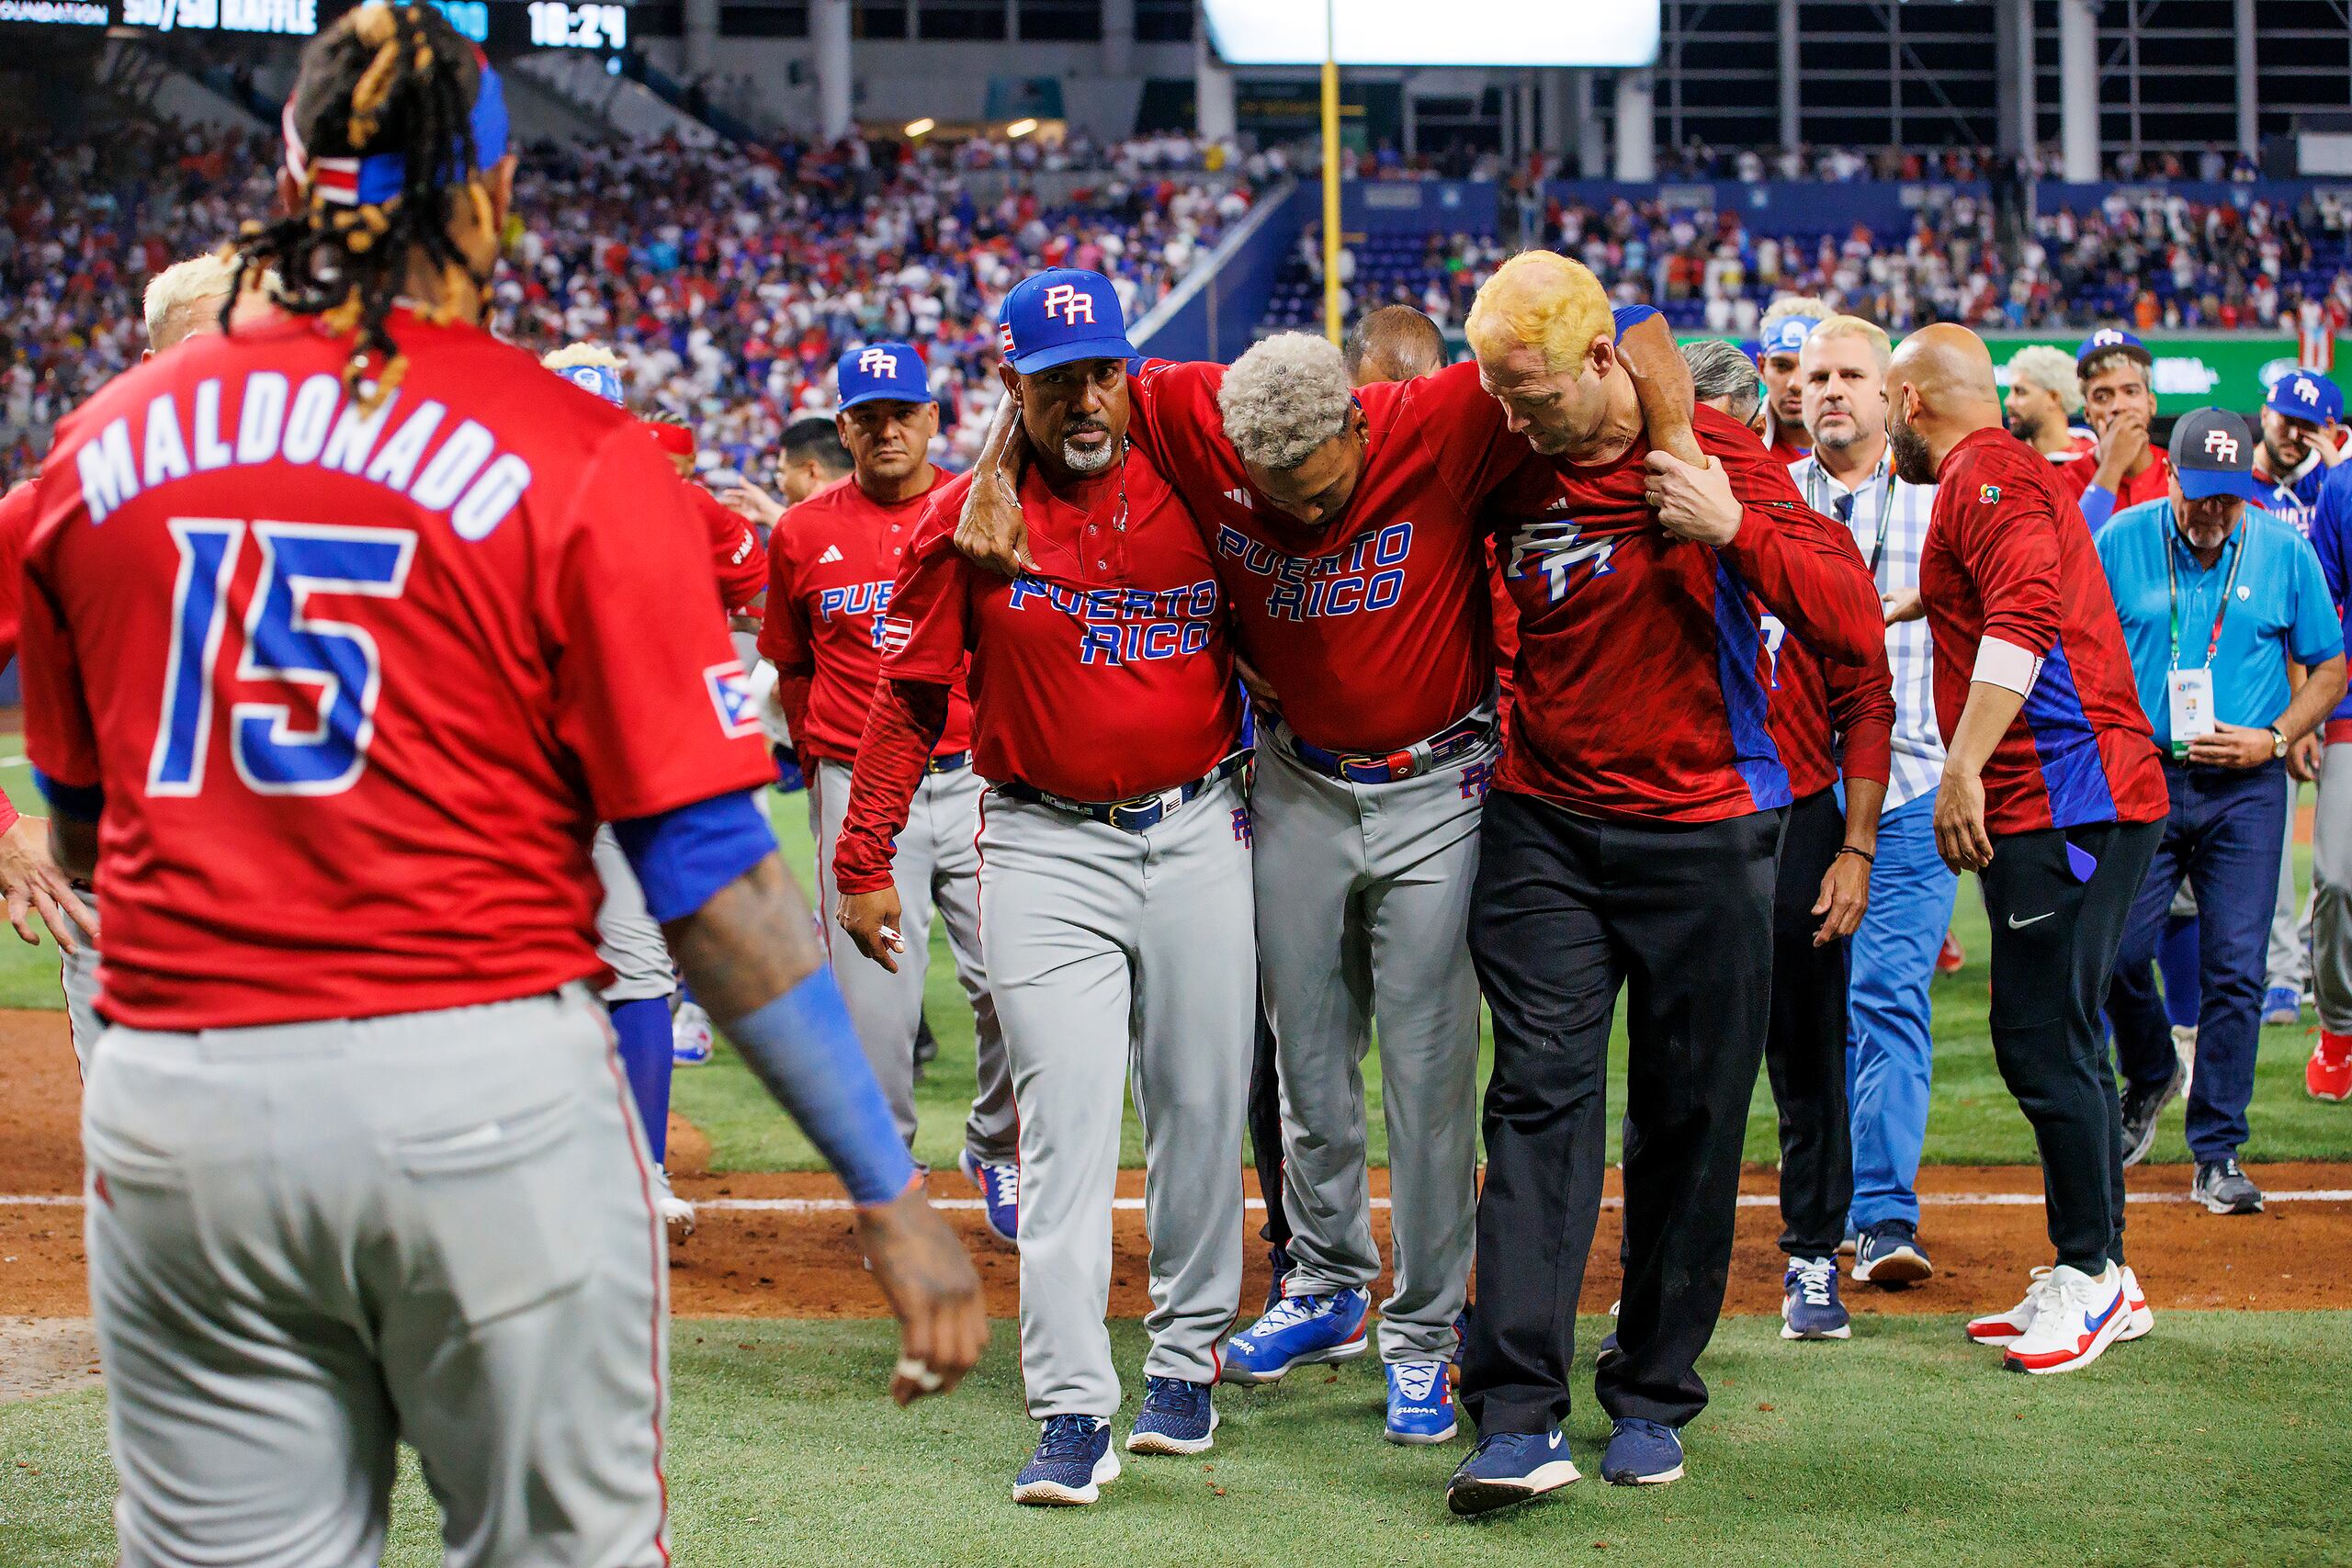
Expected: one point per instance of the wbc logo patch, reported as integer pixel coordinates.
(1988, 494)
(730, 696)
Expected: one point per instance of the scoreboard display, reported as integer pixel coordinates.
(503, 27)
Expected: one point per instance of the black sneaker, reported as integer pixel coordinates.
(2225, 1189)
(2140, 1109)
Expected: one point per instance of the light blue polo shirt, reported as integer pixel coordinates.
(2278, 609)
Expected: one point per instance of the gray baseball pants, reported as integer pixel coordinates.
(2332, 891)
(308, 1241)
(936, 865)
(1363, 911)
(79, 973)
(2288, 967)
(629, 939)
(1115, 955)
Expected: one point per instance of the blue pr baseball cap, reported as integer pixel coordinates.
(2212, 455)
(878, 370)
(1060, 315)
(2306, 395)
(2109, 340)
(1786, 335)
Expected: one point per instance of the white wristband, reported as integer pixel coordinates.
(2006, 665)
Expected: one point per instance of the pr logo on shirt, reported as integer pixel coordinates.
(1988, 494)
(1475, 778)
(730, 696)
(1242, 834)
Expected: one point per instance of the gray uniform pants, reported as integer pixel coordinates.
(2288, 967)
(1114, 953)
(627, 938)
(310, 1240)
(1364, 908)
(79, 972)
(936, 865)
(2332, 892)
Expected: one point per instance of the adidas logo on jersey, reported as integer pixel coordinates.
(1239, 498)
(833, 553)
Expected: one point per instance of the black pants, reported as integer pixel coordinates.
(1568, 910)
(1806, 1052)
(1266, 1129)
(2058, 903)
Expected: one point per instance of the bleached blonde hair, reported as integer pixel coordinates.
(576, 354)
(1870, 332)
(1789, 307)
(2052, 369)
(1285, 398)
(1540, 299)
(191, 285)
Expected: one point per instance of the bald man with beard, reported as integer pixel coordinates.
(2052, 792)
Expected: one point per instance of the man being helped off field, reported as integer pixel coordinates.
(327, 675)
(1114, 872)
(1343, 525)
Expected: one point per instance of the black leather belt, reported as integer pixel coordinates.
(1463, 736)
(1137, 815)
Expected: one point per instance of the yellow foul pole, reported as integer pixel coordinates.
(1331, 172)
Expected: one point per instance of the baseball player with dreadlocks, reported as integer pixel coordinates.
(326, 680)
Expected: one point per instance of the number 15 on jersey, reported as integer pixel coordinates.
(282, 643)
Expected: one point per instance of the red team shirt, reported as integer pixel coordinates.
(1828, 720)
(832, 563)
(1373, 628)
(357, 689)
(17, 509)
(2006, 556)
(1105, 675)
(1642, 678)
(2151, 483)
(735, 553)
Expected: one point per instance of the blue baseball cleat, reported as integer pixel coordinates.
(1642, 1454)
(1506, 1467)
(1300, 1331)
(1809, 1305)
(1176, 1419)
(1000, 1185)
(1072, 1463)
(1421, 1405)
(1278, 1263)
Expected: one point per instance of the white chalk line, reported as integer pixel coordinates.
(1126, 1205)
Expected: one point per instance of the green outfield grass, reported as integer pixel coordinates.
(2209, 1443)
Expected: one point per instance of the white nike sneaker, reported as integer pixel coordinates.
(2135, 1301)
(2080, 1316)
(677, 1214)
(2004, 1327)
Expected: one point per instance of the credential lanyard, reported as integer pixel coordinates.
(1886, 501)
(2172, 589)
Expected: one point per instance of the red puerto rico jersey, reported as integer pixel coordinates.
(1784, 450)
(1106, 675)
(735, 553)
(2151, 483)
(2077, 443)
(1829, 720)
(1372, 628)
(832, 564)
(17, 514)
(1641, 688)
(358, 686)
(2006, 556)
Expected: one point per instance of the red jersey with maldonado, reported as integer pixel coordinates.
(1372, 628)
(2006, 556)
(1105, 676)
(1642, 686)
(358, 686)
(832, 563)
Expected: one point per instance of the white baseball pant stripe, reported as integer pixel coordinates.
(1117, 955)
(629, 939)
(1363, 912)
(936, 865)
(310, 1241)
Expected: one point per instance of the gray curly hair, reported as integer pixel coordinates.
(1718, 369)
(1284, 398)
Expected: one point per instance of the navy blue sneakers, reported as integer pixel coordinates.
(1506, 1467)
(1300, 1331)
(1072, 1462)
(1176, 1419)
(1889, 1253)
(1420, 1403)
(1642, 1454)
(1809, 1305)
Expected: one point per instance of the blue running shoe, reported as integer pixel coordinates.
(1421, 1405)
(2281, 1006)
(1508, 1468)
(1000, 1185)
(1642, 1454)
(1072, 1463)
(1300, 1331)
(1176, 1419)
(1890, 1255)
(1809, 1305)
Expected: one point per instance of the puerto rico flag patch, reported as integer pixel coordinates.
(891, 633)
(1989, 494)
(731, 695)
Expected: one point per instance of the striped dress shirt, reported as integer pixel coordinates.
(1889, 522)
